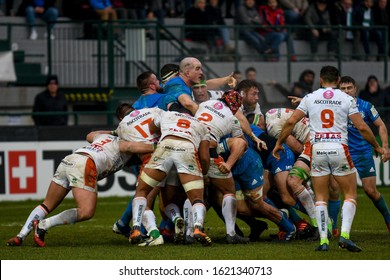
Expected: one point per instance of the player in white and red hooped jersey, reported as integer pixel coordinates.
(276, 118)
(329, 109)
(184, 144)
(135, 126)
(219, 117)
(78, 173)
(299, 142)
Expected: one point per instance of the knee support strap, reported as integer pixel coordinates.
(149, 180)
(300, 173)
(193, 185)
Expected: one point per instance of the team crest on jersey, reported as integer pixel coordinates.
(134, 113)
(272, 111)
(218, 106)
(328, 94)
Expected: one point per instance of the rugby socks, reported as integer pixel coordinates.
(187, 213)
(269, 201)
(285, 224)
(334, 209)
(172, 211)
(198, 214)
(139, 205)
(38, 213)
(64, 218)
(149, 222)
(347, 213)
(307, 202)
(128, 214)
(322, 220)
(382, 207)
(229, 212)
(295, 218)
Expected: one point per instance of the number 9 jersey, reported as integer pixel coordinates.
(328, 110)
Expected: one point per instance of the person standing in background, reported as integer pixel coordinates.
(50, 100)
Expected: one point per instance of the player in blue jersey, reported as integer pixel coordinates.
(248, 177)
(151, 91)
(361, 150)
(279, 171)
(178, 92)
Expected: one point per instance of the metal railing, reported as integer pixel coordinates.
(96, 53)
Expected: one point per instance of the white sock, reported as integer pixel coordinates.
(307, 202)
(348, 213)
(322, 218)
(198, 214)
(229, 212)
(172, 211)
(139, 205)
(64, 218)
(149, 221)
(38, 213)
(187, 215)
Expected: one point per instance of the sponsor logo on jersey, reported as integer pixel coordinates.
(328, 102)
(328, 94)
(327, 137)
(137, 116)
(215, 111)
(327, 152)
(134, 113)
(272, 111)
(218, 105)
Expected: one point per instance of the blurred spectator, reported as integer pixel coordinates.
(381, 15)
(294, 10)
(104, 9)
(364, 17)
(247, 15)
(215, 17)
(238, 76)
(45, 9)
(341, 14)
(300, 88)
(176, 8)
(318, 19)
(129, 9)
(272, 15)
(251, 74)
(378, 97)
(50, 100)
(8, 7)
(197, 16)
(228, 7)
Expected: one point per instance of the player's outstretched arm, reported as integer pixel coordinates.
(366, 132)
(383, 134)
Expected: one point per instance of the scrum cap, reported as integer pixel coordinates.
(232, 99)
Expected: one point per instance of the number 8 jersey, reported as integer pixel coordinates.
(328, 110)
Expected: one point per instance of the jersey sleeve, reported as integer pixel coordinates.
(236, 127)
(373, 114)
(157, 118)
(353, 109)
(303, 105)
